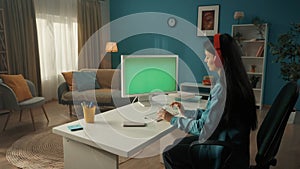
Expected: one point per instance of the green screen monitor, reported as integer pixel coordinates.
(145, 75)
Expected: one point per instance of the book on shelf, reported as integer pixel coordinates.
(260, 51)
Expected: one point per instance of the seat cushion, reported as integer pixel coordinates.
(98, 95)
(33, 102)
(19, 85)
(101, 96)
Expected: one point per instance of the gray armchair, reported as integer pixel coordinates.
(9, 102)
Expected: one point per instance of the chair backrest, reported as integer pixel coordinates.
(272, 128)
(31, 87)
(8, 97)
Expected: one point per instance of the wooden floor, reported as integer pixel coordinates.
(288, 156)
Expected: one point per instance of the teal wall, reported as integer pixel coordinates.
(279, 14)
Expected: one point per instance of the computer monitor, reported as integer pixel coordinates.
(145, 75)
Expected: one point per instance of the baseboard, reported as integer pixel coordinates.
(291, 119)
(297, 117)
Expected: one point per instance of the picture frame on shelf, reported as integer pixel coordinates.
(208, 20)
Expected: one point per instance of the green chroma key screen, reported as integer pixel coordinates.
(149, 74)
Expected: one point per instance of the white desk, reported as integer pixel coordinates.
(196, 88)
(100, 143)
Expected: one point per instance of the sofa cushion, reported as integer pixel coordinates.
(109, 78)
(19, 85)
(68, 76)
(85, 81)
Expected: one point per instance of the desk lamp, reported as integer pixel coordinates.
(238, 15)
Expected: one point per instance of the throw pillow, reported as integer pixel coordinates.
(68, 76)
(18, 85)
(86, 81)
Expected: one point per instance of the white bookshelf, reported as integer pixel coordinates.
(251, 42)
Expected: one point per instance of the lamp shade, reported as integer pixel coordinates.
(238, 15)
(111, 47)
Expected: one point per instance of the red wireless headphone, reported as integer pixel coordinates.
(218, 58)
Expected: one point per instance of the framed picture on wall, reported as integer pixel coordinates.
(208, 20)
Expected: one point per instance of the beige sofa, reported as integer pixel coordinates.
(109, 93)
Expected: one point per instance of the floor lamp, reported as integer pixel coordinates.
(238, 15)
(109, 48)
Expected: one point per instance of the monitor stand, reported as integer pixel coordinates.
(145, 100)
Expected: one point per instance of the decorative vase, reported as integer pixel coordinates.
(252, 68)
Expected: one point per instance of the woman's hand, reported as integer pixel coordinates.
(179, 106)
(164, 114)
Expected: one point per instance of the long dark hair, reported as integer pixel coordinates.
(240, 101)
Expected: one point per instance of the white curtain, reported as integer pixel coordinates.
(58, 42)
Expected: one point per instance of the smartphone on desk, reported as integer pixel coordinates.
(75, 127)
(133, 124)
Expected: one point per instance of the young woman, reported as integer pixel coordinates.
(229, 116)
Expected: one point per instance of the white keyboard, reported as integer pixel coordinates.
(153, 116)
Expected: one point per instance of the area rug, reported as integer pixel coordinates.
(39, 150)
(35, 151)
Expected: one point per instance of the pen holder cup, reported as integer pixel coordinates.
(89, 114)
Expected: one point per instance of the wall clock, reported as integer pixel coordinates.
(171, 21)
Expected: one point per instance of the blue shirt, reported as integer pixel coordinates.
(204, 122)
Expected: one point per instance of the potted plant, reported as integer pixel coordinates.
(253, 80)
(287, 50)
(260, 27)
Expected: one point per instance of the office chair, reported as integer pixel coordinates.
(268, 137)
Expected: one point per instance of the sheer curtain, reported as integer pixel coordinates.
(58, 41)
